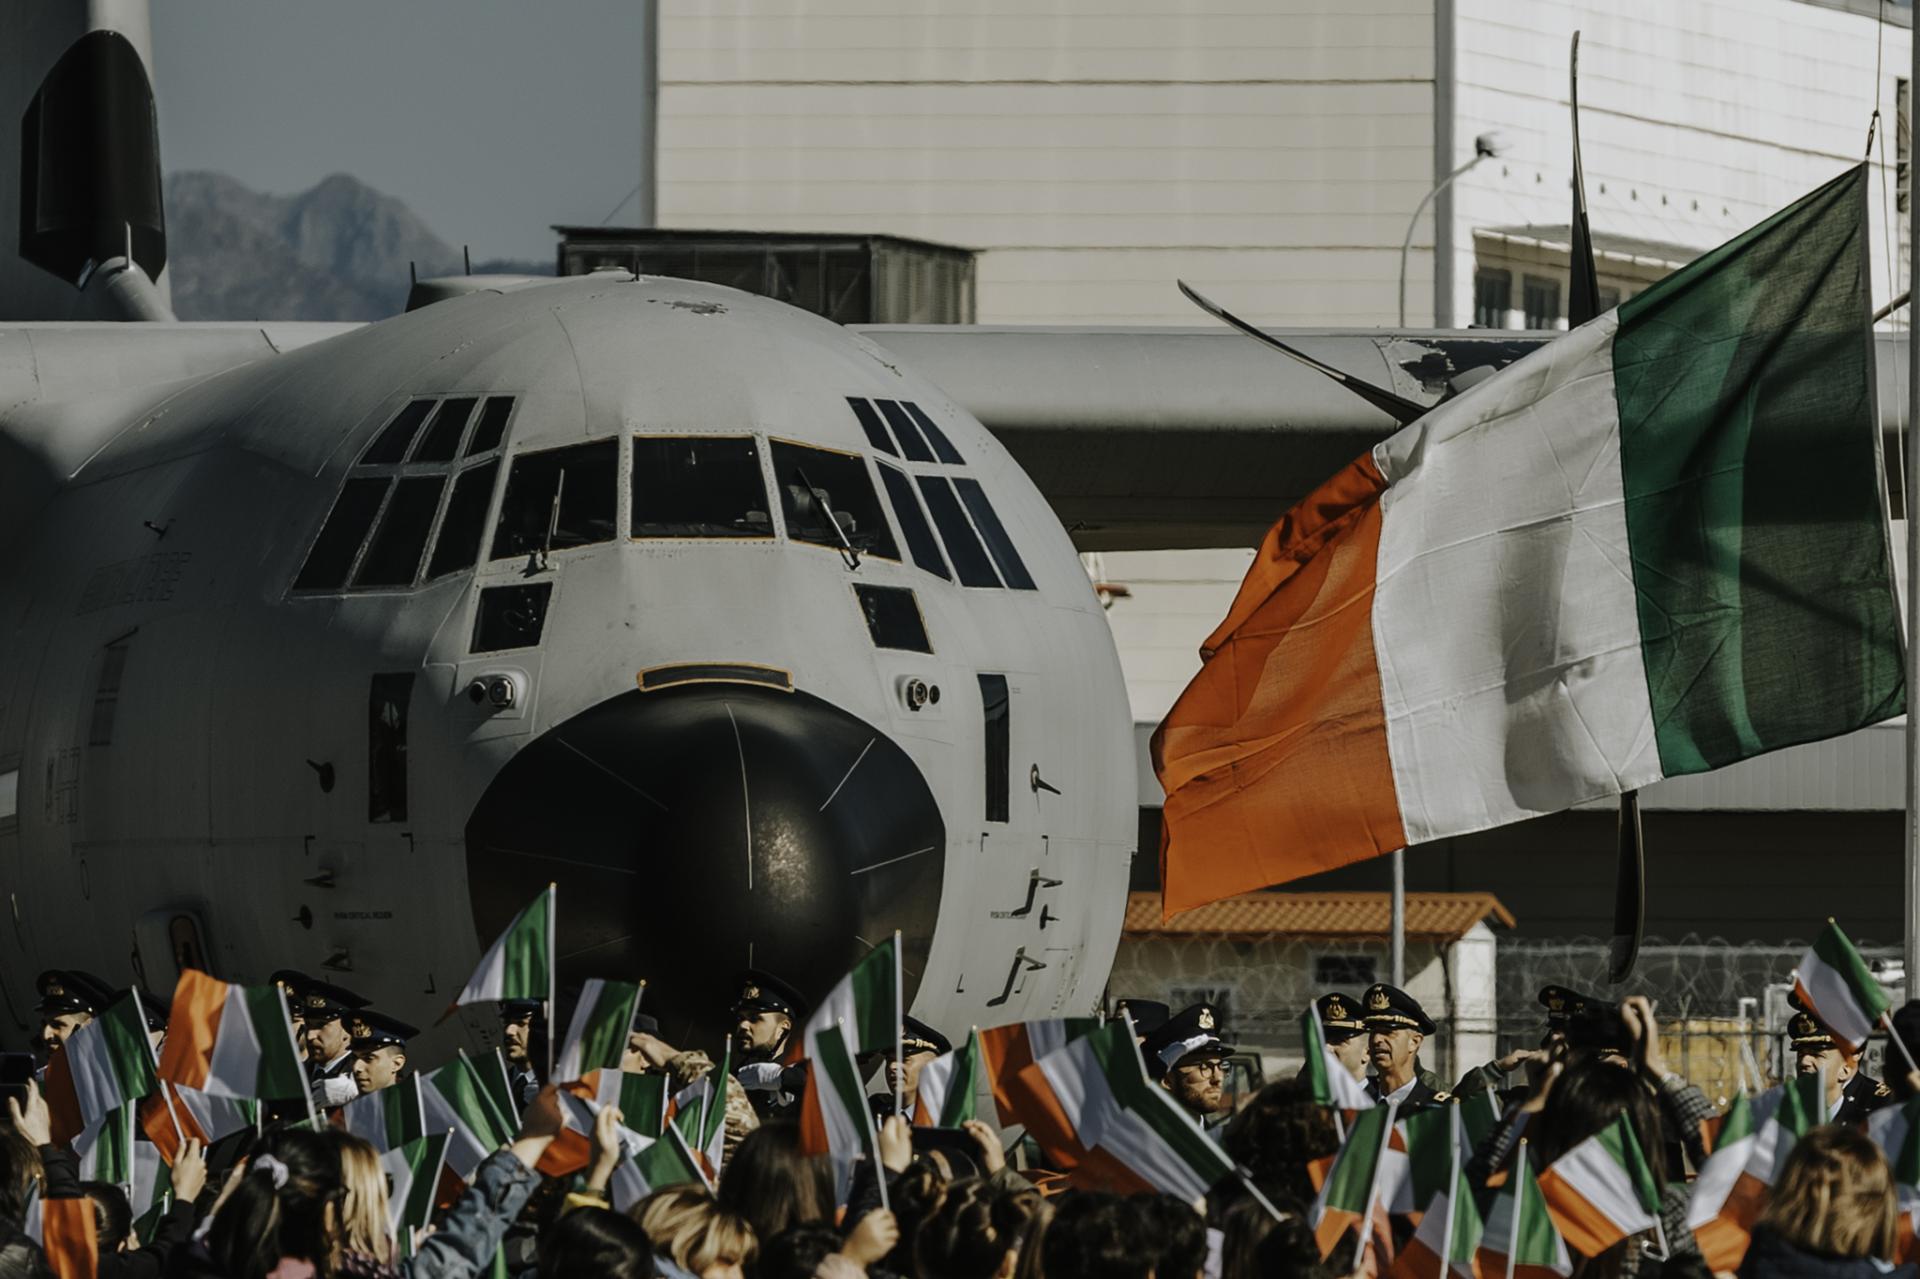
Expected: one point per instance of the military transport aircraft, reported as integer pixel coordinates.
(328, 646)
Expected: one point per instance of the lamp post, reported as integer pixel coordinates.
(1485, 146)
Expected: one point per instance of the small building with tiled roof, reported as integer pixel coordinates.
(1262, 957)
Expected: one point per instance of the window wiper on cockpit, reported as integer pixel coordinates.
(823, 499)
(538, 563)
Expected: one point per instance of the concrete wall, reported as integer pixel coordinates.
(1268, 150)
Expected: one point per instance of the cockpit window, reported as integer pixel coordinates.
(393, 557)
(963, 544)
(559, 498)
(935, 436)
(987, 520)
(332, 556)
(921, 543)
(391, 444)
(870, 423)
(906, 430)
(493, 425)
(699, 486)
(442, 441)
(458, 545)
(813, 481)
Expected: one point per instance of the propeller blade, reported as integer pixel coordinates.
(1397, 407)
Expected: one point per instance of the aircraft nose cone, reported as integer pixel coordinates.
(705, 828)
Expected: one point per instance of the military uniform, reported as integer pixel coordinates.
(373, 1031)
(1386, 1009)
(1861, 1095)
(523, 1080)
(332, 1081)
(1339, 1017)
(1189, 1036)
(916, 1039)
(68, 992)
(773, 1087)
(1562, 1006)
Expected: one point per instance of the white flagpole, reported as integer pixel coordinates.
(899, 1031)
(553, 977)
(1521, 1168)
(1453, 1188)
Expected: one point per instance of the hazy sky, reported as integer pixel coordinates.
(490, 119)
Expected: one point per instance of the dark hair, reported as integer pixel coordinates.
(112, 1214)
(1278, 1134)
(973, 1228)
(595, 1241)
(1095, 1236)
(19, 1172)
(773, 1184)
(1588, 1096)
(259, 1223)
(913, 1196)
(796, 1253)
(1255, 1246)
(1175, 1233)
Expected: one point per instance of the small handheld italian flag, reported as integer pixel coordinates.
(1602, 1191)
(64, 1229)
(860, 1014)
(641, 1099)
(413, 1168)
(1349, 1194)
(387, 1119)
(519, 964)
(1838, 987)
(456, 1099)
(1726, 1199)
(597, 1035)
(1005, 1054)
(1330, 1083)
(232, 1041)
(653, 1163)
(700, 1113)
(1451, 1222)
(1519, 1240)
(947, 1086)
(103, 1066)
(174, 1114)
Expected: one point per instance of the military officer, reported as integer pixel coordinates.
(1148, 1015)
(69, 999)
(766, 1016)
(1343, 1031)
(1851, 1096)
(379, 1050)
(329, 1043)
(1189, 1059)
(1396, 1027)
(519, 1029)
(1562, 1005)
(919, 1044)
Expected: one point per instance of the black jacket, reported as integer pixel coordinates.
(1771, 1257)
(1860, 1098)
(146, 1262)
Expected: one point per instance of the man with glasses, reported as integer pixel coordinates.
(1189, 1059)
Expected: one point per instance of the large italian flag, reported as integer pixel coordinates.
(1652, 547)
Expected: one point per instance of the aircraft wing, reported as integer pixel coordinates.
(1148, 439)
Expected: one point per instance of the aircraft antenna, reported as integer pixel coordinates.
(553, 518)
(466, 260)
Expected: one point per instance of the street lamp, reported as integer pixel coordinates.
(1484, 147)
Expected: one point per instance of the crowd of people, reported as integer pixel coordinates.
(284, 1199)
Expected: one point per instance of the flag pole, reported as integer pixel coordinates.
(1910, 951)
(553, 978)
(1521, 1168)
(306, 1094)
(1397, 944)
(899, 1031)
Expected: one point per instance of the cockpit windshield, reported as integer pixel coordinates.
(815, 481)
(559, 498)
(699, 486)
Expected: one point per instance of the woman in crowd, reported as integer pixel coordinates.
(366, 1246)
(1832, 1214)
(686, 1226)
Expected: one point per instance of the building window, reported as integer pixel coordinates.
(387, 747)
(1540, 302)
(1492, 298)
(1351, 973)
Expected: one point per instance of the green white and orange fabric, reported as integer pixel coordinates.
(947, 1086)
(456, 1099)
(1652, 547)
(1451, 1220)
(413, 1173)
(1128, 1135)
(1351, 1192)
(1726, 1200)
(1602, 1191)
(1519, 1240)
(231, 1041)
(1835, 982)
(642, 1101)
(389, 1118)
(700, 1113)
(653, 1163)
(861, 1014)
(519, 964)
(102, 1067)
(1005, 1053)
(1896, 1129)
(173, 1114)
(64, 1229)
(1330, 1083)
(597, 1035)
(1420, 1159)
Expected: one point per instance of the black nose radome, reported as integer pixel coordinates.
(701, 829)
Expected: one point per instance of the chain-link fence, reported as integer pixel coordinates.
(1722, 1006)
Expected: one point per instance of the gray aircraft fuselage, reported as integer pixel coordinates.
(279, 691)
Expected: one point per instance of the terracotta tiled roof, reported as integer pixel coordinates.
(1442, 917)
